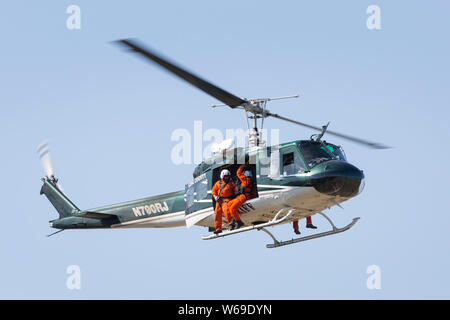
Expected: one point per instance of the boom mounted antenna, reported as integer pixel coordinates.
(318, 136)
(255, 107)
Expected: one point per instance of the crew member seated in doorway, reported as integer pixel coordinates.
(247, 191)
(222, 191)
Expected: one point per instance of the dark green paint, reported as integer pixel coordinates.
(104, 217)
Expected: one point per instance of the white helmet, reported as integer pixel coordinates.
(224, 173)
(248, 173)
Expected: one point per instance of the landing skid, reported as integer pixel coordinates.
(276, 220)
(335, 230)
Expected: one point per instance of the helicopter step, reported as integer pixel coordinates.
(335, 230)
(276, 220)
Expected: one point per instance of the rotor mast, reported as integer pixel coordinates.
(253, 133)
(256, 111)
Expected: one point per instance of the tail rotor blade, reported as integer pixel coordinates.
(366, 143)
(43, 152)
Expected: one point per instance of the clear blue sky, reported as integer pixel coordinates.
(109, 117)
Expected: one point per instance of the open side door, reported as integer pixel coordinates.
(196, 200)
(233, 169)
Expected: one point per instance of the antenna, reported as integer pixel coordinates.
(318, 136)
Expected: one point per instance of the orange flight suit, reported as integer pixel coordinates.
(308, 221)
(249, 193)
(225, 192)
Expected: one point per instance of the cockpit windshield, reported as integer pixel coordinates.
(314, 152)
(336, 150)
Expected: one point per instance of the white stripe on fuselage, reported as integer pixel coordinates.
(294, 199)
(174, 219)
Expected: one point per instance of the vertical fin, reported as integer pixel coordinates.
(62, 204)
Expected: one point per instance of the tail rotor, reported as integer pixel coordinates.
(43, 152)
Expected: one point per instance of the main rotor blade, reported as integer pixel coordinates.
(218, 93)
(344, 136)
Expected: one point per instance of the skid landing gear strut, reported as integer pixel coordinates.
(334, 230)
(277, 220)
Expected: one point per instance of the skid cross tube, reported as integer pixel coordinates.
(275, 241)
(319, 235)
(260, 226)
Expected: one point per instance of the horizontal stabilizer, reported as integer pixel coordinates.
(95, 215)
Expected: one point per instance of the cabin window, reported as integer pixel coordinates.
(292, 164)
(263, 162)
(201, 190)
(274, 162)
(189, 196)
(196, 191)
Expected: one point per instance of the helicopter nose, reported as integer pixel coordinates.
(338, 178)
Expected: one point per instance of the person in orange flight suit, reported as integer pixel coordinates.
(222, 191)
(248, 192)
(308, 225)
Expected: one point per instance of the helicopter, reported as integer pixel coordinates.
(294, 180)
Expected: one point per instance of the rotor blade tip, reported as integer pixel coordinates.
(127, 43)
(382, 146)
